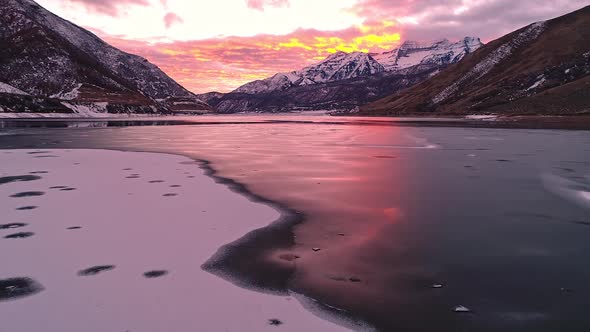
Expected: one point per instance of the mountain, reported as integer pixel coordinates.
(338, 66)
(50, 58)
(440, 52)
(345, 80)
(543, 68)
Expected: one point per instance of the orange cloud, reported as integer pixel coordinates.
(224, 64)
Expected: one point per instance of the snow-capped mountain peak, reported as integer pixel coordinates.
(412, 53)
(342, 66)
(337, 66)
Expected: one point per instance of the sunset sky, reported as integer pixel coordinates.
(219, 45)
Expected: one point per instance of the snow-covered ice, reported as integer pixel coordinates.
(128, 221)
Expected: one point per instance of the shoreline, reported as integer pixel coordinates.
(571, 122)
(211, 265)
(271, 274)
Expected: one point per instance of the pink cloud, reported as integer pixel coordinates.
(261, 4)
(223, 64)
(171, 19)
(108, 7)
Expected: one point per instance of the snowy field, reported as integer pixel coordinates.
(114, 241)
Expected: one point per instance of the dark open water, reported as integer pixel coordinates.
(500, 217)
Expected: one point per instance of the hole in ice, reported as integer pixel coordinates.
(12, 225)
(9, 179)
(18, 287)
(24, 208)
(21, 235)
(96, 270)
(155, 274)
(274, 322)
(28, 194)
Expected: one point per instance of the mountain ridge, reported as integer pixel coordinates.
(49, 57)
(514, 74)
(400, 68)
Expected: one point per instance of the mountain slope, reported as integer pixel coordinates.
(540, 69)
(338, 66)
(412, 53)
(46, 56)
(345, 80)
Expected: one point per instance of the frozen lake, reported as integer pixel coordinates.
(497, 219)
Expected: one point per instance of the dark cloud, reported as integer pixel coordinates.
(488, 19)
(261, 4)
(171, 19)
(108, 7)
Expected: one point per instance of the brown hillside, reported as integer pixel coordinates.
(540, 69)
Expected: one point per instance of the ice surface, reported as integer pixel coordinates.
(575, 191)
(128, 224)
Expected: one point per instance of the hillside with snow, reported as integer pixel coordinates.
(46, 56)
(345, 80)
(342, 66)
(412, 53)
(338, 66)
(543, 68)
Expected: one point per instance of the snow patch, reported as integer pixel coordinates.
(481, 117)
(89, 110)
(70, 95)
(5, 88)
(537, 83)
